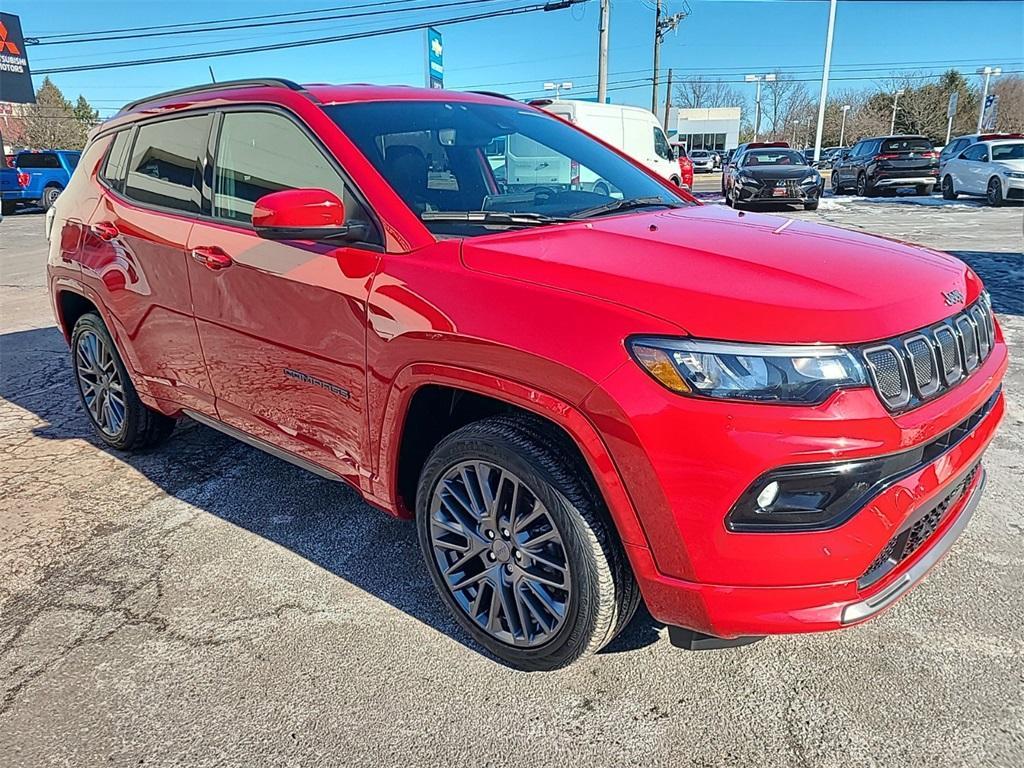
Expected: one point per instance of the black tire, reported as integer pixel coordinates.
(948, 190)
(50, 195)
(7, 207)
(837, 186)
(994, 192)
(141, 427)
(921, 190)
(811, 206)
(864, 187)
(677, 181)
(603, 595)
(602, 189)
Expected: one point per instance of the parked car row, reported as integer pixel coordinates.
(36, 178)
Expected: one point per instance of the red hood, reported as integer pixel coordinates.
(723, 275)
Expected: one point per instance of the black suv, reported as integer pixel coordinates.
(887, 163)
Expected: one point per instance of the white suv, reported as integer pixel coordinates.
(994, 169)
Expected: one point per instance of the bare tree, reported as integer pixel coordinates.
(784, 104)
(1010, 89)
(700, 93)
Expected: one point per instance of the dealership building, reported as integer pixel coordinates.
(705, 128)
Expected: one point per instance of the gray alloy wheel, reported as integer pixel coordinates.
(500, 553)
(50, 195)
(948, 190)
(837, 187)
(862, 186)
(994, 193)
(100, 382)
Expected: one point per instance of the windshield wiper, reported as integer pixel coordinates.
(493, 218)
(624, 205)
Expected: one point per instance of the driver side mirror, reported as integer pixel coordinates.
(303, 214)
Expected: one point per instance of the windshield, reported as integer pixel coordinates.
(1008, 151)
(758, 157)
(462, 167)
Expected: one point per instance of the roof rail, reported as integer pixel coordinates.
(495, 94)
(275, 82)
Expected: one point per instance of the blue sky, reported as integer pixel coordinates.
(721, 38)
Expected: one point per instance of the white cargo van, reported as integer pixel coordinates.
(632, 130)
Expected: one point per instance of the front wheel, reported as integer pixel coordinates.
(108, 396)
(948, 190)
(518, 543)
(994, 193)
(837, 187)
(811, 206)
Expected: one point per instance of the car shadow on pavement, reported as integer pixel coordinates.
(325, 522)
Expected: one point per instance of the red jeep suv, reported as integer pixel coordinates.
(757, 426)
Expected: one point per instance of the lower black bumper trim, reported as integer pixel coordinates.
(692, 640)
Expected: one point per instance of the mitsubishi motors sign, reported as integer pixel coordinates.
(15, 78)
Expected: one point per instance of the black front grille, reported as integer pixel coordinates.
(916, 534)
(918, 366)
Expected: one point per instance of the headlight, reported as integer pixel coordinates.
(1015, 174)
(748, 180)
(812, 179)
(782, 374)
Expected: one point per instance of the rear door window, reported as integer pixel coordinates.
(977, 152)
(166, 167)
(37, 160)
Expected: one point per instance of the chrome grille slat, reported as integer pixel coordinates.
(918, 366)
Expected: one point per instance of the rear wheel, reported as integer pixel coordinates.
(7, 207)
(994, 193)
(50, 195)
(864, 187)
(117, 415)
(518, 544)
(922, 189)
(948, 190)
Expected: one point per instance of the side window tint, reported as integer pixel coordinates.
(976, 152)
(661, 147)
(166, 166)
(114, 165)
(262, 152)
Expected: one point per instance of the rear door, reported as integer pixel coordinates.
(283, 326)
(133, 253)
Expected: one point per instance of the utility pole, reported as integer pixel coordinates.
(986, 72)
(824, 79)
(842, 128)
(895, 101)
(602, 53)
(662, 26)
(668, 98)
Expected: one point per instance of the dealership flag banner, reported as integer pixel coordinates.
(988, 122)
(15, 78)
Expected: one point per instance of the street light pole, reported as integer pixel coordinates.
(895, 101)
(842, 128)
(757, 98)
(987, 72)
(558, 88)
(602, 53)
(824, 79)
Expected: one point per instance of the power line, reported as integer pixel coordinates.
(223, 21)
(552, 5)
(257, 24)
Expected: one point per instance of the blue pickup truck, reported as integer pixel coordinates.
(37, 178)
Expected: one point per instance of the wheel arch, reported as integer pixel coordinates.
(411, 429)
(70, 306)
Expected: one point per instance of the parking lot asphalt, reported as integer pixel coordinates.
(205, 604)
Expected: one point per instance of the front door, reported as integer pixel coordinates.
(282, 324)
